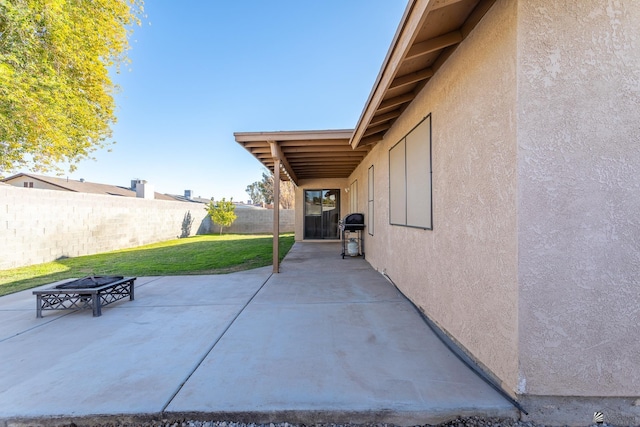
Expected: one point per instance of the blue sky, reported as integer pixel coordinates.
(202, 70)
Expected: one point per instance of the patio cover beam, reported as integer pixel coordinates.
(276, 153)
(276, 215)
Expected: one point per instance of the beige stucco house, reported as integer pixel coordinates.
(497, 162)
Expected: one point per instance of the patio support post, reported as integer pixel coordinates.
(276, 215)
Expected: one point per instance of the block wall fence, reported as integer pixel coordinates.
(39, 226)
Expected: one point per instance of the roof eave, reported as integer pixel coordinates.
(402, 40)
(293, 135)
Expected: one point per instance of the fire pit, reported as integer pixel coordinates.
(88, 292)
(89, 282)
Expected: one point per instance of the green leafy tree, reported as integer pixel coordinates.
(255, 192)
(222, 212)
(263, 191)
(56, 96)
(266, 186)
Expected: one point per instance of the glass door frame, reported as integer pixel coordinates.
(327, 228)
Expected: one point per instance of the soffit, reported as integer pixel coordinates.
(429, 32)
(305, 154)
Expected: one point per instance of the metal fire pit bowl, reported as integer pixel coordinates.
(89, 282)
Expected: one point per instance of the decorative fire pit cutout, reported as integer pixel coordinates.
(92, 292)
(89, 282)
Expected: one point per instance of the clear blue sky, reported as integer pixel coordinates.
(202, 70)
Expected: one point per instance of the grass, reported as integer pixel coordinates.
(210, 254)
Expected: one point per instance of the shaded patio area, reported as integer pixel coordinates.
(326, 340)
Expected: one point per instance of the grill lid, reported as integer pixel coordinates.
(354, 218)
(353, 222)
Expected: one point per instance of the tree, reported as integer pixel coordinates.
(222, 212)
(255, 192)
(287, 195)
(265, 188)
(56, 96)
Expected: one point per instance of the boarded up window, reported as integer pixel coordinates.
(370, 201)
(353, 197)
(410, 178)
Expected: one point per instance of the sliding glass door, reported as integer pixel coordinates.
(321, 214)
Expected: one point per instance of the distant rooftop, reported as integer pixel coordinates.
(80, 186)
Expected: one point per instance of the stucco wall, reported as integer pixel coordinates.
(579, 186)
(463, 273)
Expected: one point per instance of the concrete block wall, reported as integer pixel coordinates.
(39, 225)
(258, 221)
(44, 225)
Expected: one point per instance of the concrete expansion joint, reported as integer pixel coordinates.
(210, 349)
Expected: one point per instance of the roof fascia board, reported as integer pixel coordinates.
(293, 135)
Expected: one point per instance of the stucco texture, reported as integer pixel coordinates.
(463, 273)
(579, 203)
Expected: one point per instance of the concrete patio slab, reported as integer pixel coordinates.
(327, 340)
(131, 360)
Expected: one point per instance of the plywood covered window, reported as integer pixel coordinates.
(410, 178)
(370, 197)
(353, 201)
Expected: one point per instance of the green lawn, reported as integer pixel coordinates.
(210, 254)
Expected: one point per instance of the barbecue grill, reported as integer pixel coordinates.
(351, 230)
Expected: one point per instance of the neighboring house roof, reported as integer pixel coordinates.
(190, 200)
(246, 206)
(84, 186)
(430, 30)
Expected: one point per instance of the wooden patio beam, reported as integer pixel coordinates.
(276, 216)
(277, 154)
(408, 79)
(301, 149)
(383, 118)
(434, 44)
(376, 129)
(371, 139)
(395, 102)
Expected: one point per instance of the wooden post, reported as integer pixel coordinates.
(276, 216)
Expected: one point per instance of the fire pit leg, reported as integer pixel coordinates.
(38, 306)
(95, 303)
